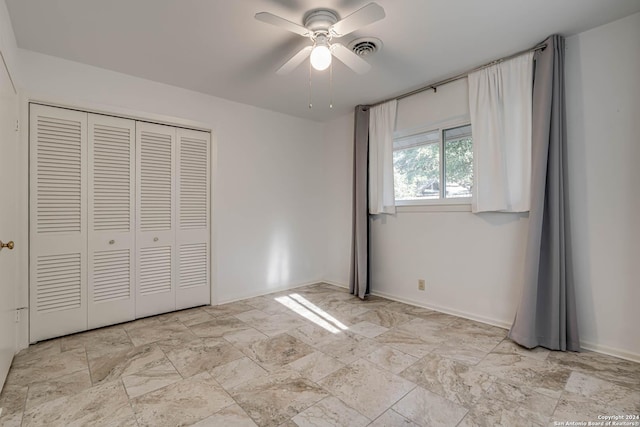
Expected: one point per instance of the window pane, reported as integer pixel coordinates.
(458, 159)
(417, 172)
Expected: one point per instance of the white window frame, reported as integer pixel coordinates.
(442, 204)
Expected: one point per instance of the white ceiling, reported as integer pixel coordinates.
(217, 47)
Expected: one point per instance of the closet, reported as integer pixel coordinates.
(119, 220)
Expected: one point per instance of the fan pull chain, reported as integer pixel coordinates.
(331, 85)
(310, 104)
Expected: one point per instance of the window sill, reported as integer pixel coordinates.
(450, 205)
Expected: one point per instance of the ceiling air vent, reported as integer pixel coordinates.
(365, 46)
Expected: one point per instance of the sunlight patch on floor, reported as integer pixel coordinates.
(302, 300)
(309, 311)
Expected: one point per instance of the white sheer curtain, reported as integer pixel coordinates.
(500, 98)
(382, 122)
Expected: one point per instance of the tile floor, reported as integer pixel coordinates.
(314, 356)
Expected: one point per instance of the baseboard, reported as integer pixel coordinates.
(270, 291)
(446, 310)
(586, 345)
(615, 352)
(332, 283)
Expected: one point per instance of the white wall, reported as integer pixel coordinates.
(338, 143)
(472, 263)
(283, 193)
(268, 182)
(8, 193)
(603, 120)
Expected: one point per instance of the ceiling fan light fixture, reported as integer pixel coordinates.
(320, 57)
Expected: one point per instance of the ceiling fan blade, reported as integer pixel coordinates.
(350, 59)
(272, 19)
(358, 19)
(295, 60)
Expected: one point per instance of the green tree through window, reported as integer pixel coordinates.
(417, 162)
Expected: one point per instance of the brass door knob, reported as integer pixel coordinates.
(9, 245)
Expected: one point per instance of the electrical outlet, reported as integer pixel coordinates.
(421, 285)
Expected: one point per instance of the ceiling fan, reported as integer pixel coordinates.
(322, 26)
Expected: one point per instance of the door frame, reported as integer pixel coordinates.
(12, 141)
(26, 97)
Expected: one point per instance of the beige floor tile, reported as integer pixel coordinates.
(113, 365)
(98, 341)
(245, 337)
(274, 353)
(231, 416)
(202, 355)
(367, 329)
(107, 401)
(182, 403)
(574, 407)
(391, 359)
(384, 317)
(38, 351)
(545, 377)
(461, 351)
(348, 348)
(330, 412)
(406, 343)
(228, 309)
(411, 310)
(270, 324)
(315, 366)
(12, 402)
(428, 409)
(193, 316)
(47, 368)
(491, 412)
(366, 388)
(259, 362)
(218, 327)
(43, 391)
(267, 304)
(315, 336)
(425, 329)
(507, 346)
(608, 368)
(520, 400)
(392, 419)
(159, 332)
(236, 372)
(608, 393)
(469, 334)
(272, 400)
(460, 383)
(151, 379)
(11, 420)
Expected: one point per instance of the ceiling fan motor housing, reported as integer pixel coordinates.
(319, 20)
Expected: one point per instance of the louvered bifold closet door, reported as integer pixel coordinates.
(192, 237)
(155, 219)
(111, 295)
(58, 222)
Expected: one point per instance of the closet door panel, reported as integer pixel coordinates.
(193, 219)
(155, 224)
(58, 222)
(111, 296)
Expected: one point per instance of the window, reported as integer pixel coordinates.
(423, 161)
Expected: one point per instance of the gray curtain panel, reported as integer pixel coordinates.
(546, 315)
(359, 277)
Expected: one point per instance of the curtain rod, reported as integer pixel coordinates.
(434, 86)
